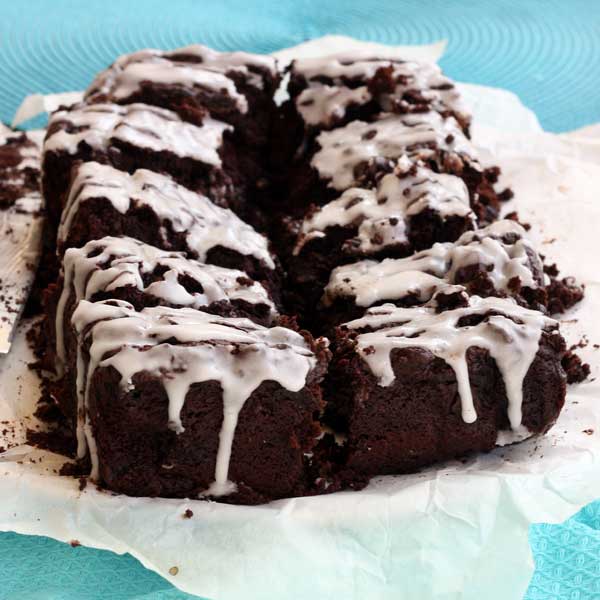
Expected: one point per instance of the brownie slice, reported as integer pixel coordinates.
(201, 158)
(156, 210)
(196, 81)
(412, 386)
(332, 90)
(497, 260)
(182, 403)
(410, 209)
(361, 152)
(143, 275)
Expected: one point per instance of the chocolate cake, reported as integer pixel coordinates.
(497, 260)
(136, 136)
(411, 386)
(173, 368)
(195, 82)
(154, 209)
(409, 209)
(145, 276)
(333, 90)
(179, 402)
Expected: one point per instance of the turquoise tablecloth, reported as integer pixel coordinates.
(548, 52)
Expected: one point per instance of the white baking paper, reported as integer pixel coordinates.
(455, 531)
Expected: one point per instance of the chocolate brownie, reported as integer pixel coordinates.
(165, 410)
(332, 90)
(201, 158)
(154, 209)
(145, 276)
(498, 260)
(196, 81)
(410, 209)
(411, 386)
(19, 167)
(171, 371)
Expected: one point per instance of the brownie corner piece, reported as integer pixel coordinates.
(413, 386)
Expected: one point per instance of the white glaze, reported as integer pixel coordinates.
(397, 198)
(342, 149)
(140, 125)
(324, 104)
(115, 262)
(205, 224)
(124, 76)
(426, 78)
(428, 271)
(512, 343)
(237, 353)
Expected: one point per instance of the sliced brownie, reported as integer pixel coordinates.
(127, 269)
(156, 210)
(200, 157)
(412, 386)
(182, 403)
(498, 260)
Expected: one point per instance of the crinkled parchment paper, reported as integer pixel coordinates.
(455, 531)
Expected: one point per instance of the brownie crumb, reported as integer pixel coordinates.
(188, 514)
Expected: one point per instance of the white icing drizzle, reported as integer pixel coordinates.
(512, 339)
(425, 78)
(205, 224)
(142, 126)
(382, 213)
(124, 77)
(237, 353)
(324, 104)
(429, 271)
(115, 262)
(391, 137)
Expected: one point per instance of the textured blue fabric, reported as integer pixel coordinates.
(547, 51)
(567, 558)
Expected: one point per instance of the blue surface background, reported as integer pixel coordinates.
(547, 51)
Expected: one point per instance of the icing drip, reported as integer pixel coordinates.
(140, 125)
(428, 271)
(184, 347)
(511, 337)
(324, 104)
(382, 213)
(205, 224)
(391, 137)
(112, 263)
(426, 79)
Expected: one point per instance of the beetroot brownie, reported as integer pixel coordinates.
(498, 260)
(145, 276)
(410, 209)
(156, 210)
(412, 386)
(165, 410)
(19, 167)
(196, 81)
(332, 90)
(137, 136)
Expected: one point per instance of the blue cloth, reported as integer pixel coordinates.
(567, 558)
(547, 51)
